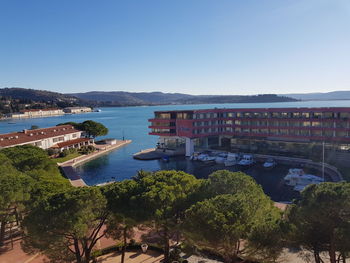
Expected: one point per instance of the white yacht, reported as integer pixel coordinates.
(299, 180)
(246, 160)
(232, 159)
(269, 163)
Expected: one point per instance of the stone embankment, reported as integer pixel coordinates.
(68, 166)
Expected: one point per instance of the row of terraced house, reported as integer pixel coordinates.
(58, 137)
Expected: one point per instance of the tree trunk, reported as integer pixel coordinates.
(124, 245)
(331, 252)
(317, 257)
(166, 248)
(77, 251)
(2, 231)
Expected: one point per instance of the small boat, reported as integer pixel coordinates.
(97, 110)
(220, 160)
(246, 160)
(202, 156)
(299, 180)
(208, 159)
(165, 158)
(11, 123)
(232, 159)
(269, 163)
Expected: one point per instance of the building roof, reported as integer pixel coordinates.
(28, 136)
(289, 109)
(38, 110)
(71, 142)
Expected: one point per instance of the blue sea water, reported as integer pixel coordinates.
(132, 122)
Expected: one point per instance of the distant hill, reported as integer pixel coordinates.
(334, 95)
(120, 98)
(17, 99)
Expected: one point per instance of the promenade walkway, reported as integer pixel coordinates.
(68, 166)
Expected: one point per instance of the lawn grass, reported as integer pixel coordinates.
(67, 158)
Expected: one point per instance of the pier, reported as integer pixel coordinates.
(68, 166)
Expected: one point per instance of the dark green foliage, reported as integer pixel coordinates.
(15, 190)
(66, 226)
(320, 221)
(87, 149)
(236, 209)
(91, 128)
(35, 163)
(94, 129)
(64, 153)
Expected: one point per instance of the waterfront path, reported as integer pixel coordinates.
(68, 166)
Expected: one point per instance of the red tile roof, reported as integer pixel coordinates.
(71, 142)
(28, 136)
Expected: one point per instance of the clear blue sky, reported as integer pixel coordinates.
(188, 46)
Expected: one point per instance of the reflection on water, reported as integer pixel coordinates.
(133, 123)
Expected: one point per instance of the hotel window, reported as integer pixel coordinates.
(284, 115)
(228, 129)
(237, 122)
(342, 124)
(304, 132)
(283, 132)
(296, 114)
(256, 114)
(207, 116)
(316, 133)
(61, 138)
(273, 123)
(328, 133)
(262, 123)
(327, 124)
(316, 124)
(246, 123)
(294, 124)
(283, 124)
(265, 114)
(344, 115)
(229, 122)
(74, 135)
(239, 114)
(255, 130)
(275, 114)
(214, 115)
(201, 116)
(55, 139)
(230, 114)
(246, 130)
(317, 115)
(238, 129)
(305, 115)
(264, 131)
(163, 115)
(341, 134)
(328, 115)
(294, 132)
(305, 124)
(206, 123)
(247, 115)
(274, 131)
(37, 144)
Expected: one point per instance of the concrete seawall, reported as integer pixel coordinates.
(68, 166)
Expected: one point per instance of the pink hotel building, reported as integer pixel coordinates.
(277, 129)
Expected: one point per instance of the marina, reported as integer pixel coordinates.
(132, 122)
